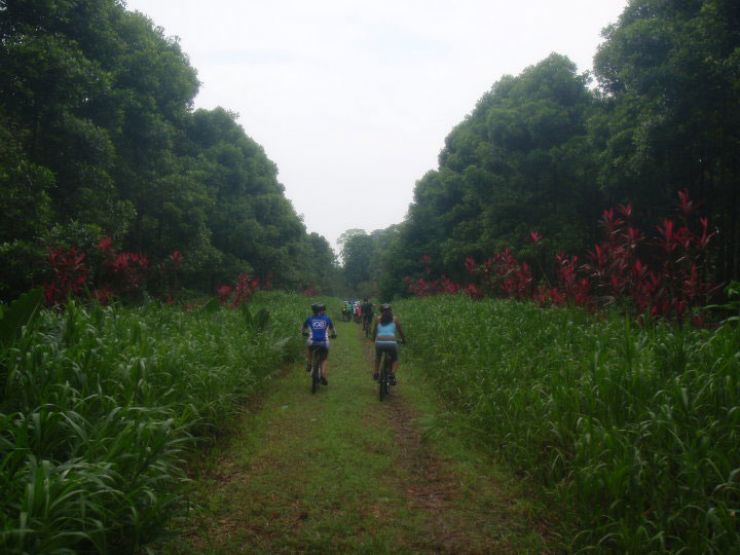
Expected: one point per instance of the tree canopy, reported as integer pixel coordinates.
(98, 137)
(548, 150)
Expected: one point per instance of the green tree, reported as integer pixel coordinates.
(96, 106)
(25, 205)
(357, 254)
(521, 161)
(671, 75)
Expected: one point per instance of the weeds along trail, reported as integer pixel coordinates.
(100, 406)
(340, 472)
(632, 429)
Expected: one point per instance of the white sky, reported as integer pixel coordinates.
(353, 100)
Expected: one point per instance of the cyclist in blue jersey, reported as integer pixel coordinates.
(386, 331)
(318, 328)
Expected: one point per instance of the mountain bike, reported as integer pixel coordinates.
(318, 353)
(384, 376)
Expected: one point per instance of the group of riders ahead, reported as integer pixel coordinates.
(385, 330)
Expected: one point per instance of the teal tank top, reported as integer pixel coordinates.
(386, 334)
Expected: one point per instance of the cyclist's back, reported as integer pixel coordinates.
(386, 332)
(318, 327)
(367, 311)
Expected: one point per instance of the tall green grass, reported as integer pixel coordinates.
(634, 431)
(99, 406)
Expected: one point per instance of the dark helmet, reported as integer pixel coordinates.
(385, 306)
(317, 307)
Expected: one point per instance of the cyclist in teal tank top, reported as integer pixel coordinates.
(386, 331)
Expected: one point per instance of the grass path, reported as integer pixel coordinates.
(341, 472)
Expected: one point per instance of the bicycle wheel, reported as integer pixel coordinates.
(383, 378)
(315, 370)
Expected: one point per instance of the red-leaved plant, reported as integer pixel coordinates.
(239, 293)
(69, 274)
(422, 287)
(673, 281)
(104, 272)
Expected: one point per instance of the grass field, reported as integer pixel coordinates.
(629, 434)
(635, 432)
(99, 407)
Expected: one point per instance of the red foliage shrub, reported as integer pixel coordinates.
(245, 288)
(69, 275)
(224, 292)
(672, 281)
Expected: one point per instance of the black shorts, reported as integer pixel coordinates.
(321, 349)
(390, 350)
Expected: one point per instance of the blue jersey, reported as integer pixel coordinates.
(319, 326)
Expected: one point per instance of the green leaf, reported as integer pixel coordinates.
(211, 307)
(20, 313)
(248, 320)
(262, 318)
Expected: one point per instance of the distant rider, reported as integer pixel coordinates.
(347, 311)
(318, 328)
(367, 313)
(386, 330)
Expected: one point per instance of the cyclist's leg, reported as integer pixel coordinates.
(376, 363)
(393, 353)
(308, 356)
(324, 354)
(324, 361)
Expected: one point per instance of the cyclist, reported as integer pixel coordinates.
(367, 314)
(318, 329)
(385, 330)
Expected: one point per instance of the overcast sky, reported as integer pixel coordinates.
(353, 100)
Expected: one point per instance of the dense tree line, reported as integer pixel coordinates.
(98, 137)
(550, 149)
(363, 256)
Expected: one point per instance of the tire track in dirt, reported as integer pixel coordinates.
(436, 489)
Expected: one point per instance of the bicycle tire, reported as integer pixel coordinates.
(384, 389)
(315, 371)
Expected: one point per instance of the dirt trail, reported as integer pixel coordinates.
(340, 472)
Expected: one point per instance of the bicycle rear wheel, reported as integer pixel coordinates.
(315, 370)
(383, 378)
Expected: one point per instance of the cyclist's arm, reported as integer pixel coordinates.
(375, 329)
